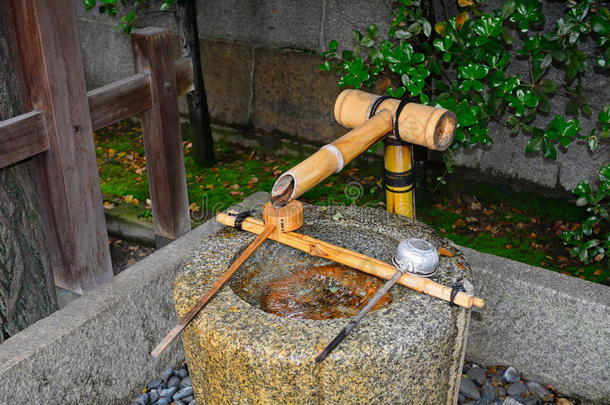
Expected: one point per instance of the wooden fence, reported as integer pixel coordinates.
(57, 133)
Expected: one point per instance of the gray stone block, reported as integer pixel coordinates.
(506, 157)
(293, 96)
(266, 23)
(342, 17)
(227, 72)
(106, 53)
(550, 327)
(97, 348)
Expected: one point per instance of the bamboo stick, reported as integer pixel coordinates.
(330, 159)
(262, 236)
(316, 247)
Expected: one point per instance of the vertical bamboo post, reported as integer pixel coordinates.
(399, 179)
(152, 54)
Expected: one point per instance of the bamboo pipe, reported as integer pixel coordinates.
(330, 159)
(316, 247)
(420, 124)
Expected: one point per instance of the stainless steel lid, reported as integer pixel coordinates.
(416, 256)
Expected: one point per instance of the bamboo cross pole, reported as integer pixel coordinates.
(316, 247)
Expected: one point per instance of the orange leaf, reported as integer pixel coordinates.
(461, 19)
(385, 84)
(597, 272)
(444, 252)
(461, 266)
(441, 28)
(465, 3)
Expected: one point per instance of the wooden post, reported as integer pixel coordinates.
(152, 54)
(44, 32)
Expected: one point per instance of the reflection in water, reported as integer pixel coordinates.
(314, 292)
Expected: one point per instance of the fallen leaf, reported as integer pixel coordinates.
(235, 192)
(444, 252)
(235, 186)
(597, 272)
(461, 266)
(108, 205)
(337, 216)
(465, 3)
(253, 181)
(459, 223)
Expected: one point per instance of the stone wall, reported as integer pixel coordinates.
(261, 69)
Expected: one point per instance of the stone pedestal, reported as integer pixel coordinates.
(409, 351)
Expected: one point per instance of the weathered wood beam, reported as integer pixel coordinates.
(124, 98)
(161, 133)
(67, 177)
(22, 137)
(119, 100)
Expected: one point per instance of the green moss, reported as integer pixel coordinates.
(241, 172)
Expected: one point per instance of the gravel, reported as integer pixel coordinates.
(505, 386)
(479, 386)
(172, 386)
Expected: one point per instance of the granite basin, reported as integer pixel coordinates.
(409, 350)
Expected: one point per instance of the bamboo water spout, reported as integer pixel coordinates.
(431, 127)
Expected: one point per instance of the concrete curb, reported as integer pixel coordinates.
(97, 348)
(551, 328)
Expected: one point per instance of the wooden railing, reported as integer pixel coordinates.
(58, 134)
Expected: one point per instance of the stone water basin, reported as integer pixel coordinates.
(256, 340)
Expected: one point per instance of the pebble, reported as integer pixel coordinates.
(188, 399)
(186, 382)
(174, 381)
(178, 402)
(163, 401)
(489, 392)
(468, 389)
(511, 401)
(168, 392)
(192, 402)
(184, 392)
(477, 375)
(142, 399)
(511, 375)
(167, 374)
(537, 389)
(517, 389)
(182, 373)
(154, 384)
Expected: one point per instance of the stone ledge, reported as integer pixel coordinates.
(550, 327)
(97, 349)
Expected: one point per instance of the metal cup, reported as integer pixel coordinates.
(416, 256)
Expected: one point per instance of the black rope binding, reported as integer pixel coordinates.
(398, 180)
(457, 287)
(239, 218)
(402, 105)
(376, 105)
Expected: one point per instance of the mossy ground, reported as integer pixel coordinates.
(520, 226)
